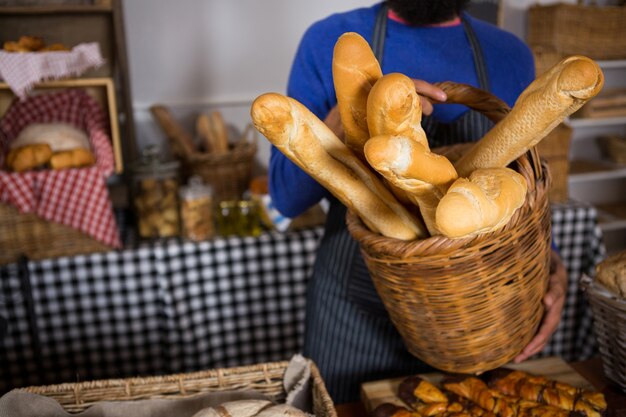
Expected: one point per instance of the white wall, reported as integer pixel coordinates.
(199, 55)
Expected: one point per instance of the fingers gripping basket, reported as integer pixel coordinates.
(470, 304)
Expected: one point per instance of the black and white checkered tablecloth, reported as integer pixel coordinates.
(178, 307)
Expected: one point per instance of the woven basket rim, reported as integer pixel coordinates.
(244, 151)
(395, 250)
(601, 293)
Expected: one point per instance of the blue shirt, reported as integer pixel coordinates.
(428, 53)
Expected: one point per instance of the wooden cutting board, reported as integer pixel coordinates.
(384, 391)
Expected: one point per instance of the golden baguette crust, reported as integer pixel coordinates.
(355, 70)
(408, 165)
(394, 108)
(311, 145)
(483, 203)
(544, 104)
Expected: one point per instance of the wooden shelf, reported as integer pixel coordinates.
(612, 216)
(604, 121)
(617, 63)
(104, 7)
(581, 170)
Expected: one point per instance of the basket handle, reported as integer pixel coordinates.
(493, 108)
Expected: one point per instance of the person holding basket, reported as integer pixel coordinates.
(348, 332)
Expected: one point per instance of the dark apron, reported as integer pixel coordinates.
(348, 332)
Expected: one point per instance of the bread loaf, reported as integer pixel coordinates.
(544, 104)
(355, 70)
(28, 157)
(59, 136)
(311, 145)
(407, 164)
(394, 108)
(240, 408)
(483, 203)
(75, 158)
(612, 273)
(180, 140)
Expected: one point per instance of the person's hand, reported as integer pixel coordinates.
(553, 302)
(428, 92)
(333, 121)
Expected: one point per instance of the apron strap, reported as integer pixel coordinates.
(380, 31)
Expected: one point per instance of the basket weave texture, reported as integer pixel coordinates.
(598, 32)
(609, 325)
(229, 174)
(29, 235)
(471, 304)
(266, 378)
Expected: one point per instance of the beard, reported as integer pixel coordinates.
(427, 12)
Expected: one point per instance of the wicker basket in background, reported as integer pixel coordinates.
(470, 304)
(554, 149)
(614, 147)
(230, 173)
(609, 325)
(266, 378)
(597, 32)
(29, 235)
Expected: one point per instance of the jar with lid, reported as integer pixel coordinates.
(196, 209)
(155, 195)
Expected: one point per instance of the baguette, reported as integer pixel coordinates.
(355, 70)
(394, 108)
(408, 165)
(311, 145)
(544, 104)
(483, 203)
(179, 139)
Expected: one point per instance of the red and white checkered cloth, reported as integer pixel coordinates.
(22, 70)
(78, 197)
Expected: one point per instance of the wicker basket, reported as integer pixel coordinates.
(598, 32)
(229, 174)
(470, 304)
(29, 235)
(614, 147)
(609, 325)
(554, 149)
(266, 378)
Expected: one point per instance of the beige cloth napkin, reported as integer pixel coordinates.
(18, 403)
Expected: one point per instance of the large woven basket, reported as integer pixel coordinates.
(230, 173)
(609, 325)
(26, 234)
(470, 304)
(598, 32)
(266, 378)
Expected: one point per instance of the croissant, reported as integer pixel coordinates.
(501, 405)
(545, 391)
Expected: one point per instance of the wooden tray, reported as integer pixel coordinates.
(384, 391)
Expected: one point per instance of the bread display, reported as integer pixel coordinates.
(481, 203)
(311, 145)
(508, 394)
(32, 44)
(54, 145)
(611, 273)
(381, 117)
(355, 71)
(544, 104)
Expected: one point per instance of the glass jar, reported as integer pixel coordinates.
(155, 195)
(249, 219)
(196, 210)
(227, 218)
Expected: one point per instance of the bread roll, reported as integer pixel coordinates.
(28, 157)
(407, 164)
(394, 108)
(544, 104)
(311, 145)
(59, 136)
(612, 273)
(483, 203)
(75, 158)
(282, 410)
(355, 70)
(240, 408)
